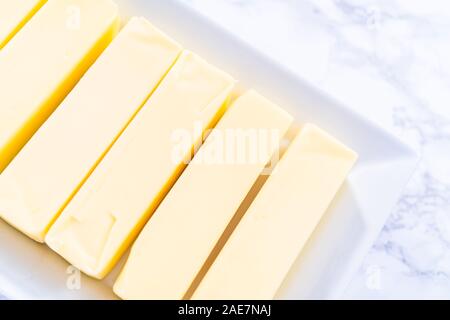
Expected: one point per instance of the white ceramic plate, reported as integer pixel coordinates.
(31, 271)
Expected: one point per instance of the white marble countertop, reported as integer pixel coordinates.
(389, 60)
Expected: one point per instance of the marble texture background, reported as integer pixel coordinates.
(389, 60)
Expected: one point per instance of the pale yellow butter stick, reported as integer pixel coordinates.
(40, 181)
(14, 15)
(120, 196)
(266, 242)
(180, 236)
(43, 62)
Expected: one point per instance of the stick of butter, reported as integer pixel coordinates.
(14, 15)
(44, 176)
(176, 242)
(281, 219)
(110, 210)
(43, 62)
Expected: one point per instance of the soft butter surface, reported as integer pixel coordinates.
(42, 63)
(119, 197)
(178, 239)
(13, 15)
(39, 182)
(266, 242)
